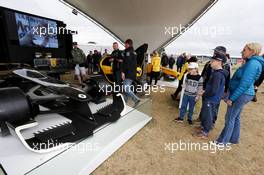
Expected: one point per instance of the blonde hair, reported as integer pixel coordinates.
(255, 47)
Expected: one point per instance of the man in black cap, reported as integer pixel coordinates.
(214, 91)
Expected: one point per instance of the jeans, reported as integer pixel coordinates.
(185, 101)
(216, 112)
(179, 68)
(117, 77)
(155, 75)
(231, 131)
(128, 91)
(208, 113)
(179, 88)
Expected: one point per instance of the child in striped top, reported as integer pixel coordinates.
(193, 87)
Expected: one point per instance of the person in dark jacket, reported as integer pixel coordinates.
(117, 66)
(212, 95)
(171, 62)
(130, 71)
(164, 60)
(89, 62)
(180, 61)
(96, 58)
(207, 71)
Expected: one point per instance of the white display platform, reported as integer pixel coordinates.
(82, 158)
(171, 84)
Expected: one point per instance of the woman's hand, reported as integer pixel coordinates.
(229, 103)
(201, 92)
(197, 98)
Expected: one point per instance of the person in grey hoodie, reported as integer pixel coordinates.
(193, 86)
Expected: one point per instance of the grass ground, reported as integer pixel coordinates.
(146, 152)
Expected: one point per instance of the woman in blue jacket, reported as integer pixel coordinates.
(241, 88)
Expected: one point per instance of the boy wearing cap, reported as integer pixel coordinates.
(193, 86)
(207, 71)
(214, 90)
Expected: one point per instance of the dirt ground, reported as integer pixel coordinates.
(147, 151)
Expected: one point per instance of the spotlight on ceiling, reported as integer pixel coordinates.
(92, 43)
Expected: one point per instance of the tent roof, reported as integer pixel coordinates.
(144, 21)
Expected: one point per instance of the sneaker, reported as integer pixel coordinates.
(213, 126)
(190, 122)
(254, 99)
(179, 120)
(215, 143)
(198, 128)
(197, 120)
(136, 103)
(201, 135)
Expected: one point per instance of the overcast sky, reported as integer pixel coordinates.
(237, 22)
(230, 23)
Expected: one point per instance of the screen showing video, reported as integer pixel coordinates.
(36, 32)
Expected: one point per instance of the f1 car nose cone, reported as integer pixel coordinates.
(82, 96)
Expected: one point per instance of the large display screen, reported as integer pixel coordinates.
(36, 32)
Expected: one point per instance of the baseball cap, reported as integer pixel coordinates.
(219, 57)
(193, 65)
(220, 49)
(192, 59)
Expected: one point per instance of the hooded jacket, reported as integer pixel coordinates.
(243, 80)
(214, 89)
(207, 71)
